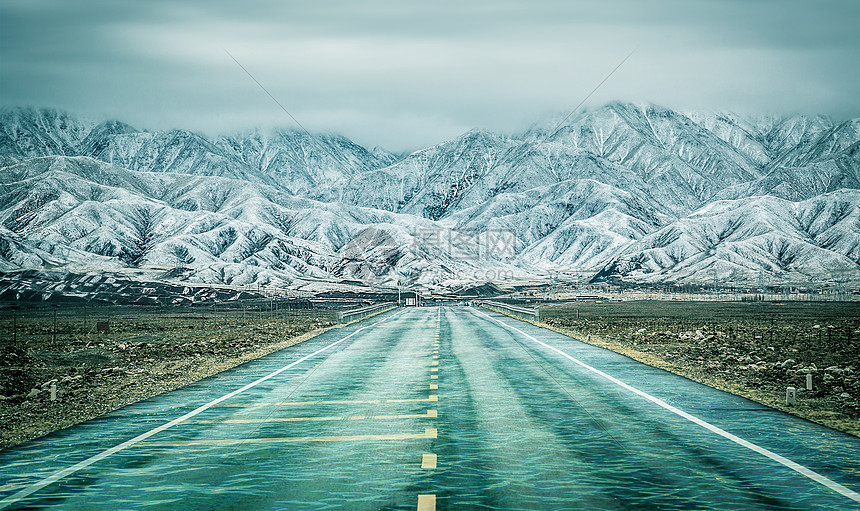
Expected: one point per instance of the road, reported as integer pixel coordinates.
(439, 408)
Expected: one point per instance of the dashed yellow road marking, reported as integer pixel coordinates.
(427, 503)
(430, 413)
(337, 402)
(428, 461)
(433, 398)
(428, 433)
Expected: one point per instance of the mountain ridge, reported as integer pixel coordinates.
(624, 192)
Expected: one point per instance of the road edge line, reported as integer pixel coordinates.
(33, 488)
(807, 472)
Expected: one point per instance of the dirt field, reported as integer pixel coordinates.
(752, 349)
(145, 351)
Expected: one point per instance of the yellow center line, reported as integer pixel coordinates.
(428, 461)
(428, 433)
(337, 402)
(427, 503)
(430, 413)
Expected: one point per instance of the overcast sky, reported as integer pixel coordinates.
(406, 74)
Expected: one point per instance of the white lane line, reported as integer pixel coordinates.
(811, 474)
(128, 443)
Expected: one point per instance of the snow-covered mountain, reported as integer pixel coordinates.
(732, 240)
(634, 192)
(84, 214)
(288, 159)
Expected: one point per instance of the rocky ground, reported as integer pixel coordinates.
(753, 349)
(144, 353)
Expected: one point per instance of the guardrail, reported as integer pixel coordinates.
(530, 314)
(363, 312)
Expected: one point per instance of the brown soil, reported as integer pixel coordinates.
(756, 350)
(145, 353)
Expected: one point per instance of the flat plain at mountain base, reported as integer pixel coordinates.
(145, 351)
(756, 350)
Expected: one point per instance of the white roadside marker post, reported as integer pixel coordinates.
(790, 395)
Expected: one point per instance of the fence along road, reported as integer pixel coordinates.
(439, 408)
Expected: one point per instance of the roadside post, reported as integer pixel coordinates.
(790, 395)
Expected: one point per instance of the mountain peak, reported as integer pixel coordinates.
(641, 189)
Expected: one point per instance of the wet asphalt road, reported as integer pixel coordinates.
(445, 408)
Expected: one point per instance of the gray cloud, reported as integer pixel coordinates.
(409, 74)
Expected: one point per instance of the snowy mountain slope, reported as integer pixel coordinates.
(800, 183)
(735, 241)
(637, 192)
(429, 182)
(31, 132)
(676, 162)
(535, 214)
(175, 151)
(298, 162)
(653, 152)
(287, 159)
(56, 210)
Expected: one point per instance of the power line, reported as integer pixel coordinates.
(553, 132)
(291, 116)
(559, 126)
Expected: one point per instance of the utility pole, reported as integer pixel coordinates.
(715, 279)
